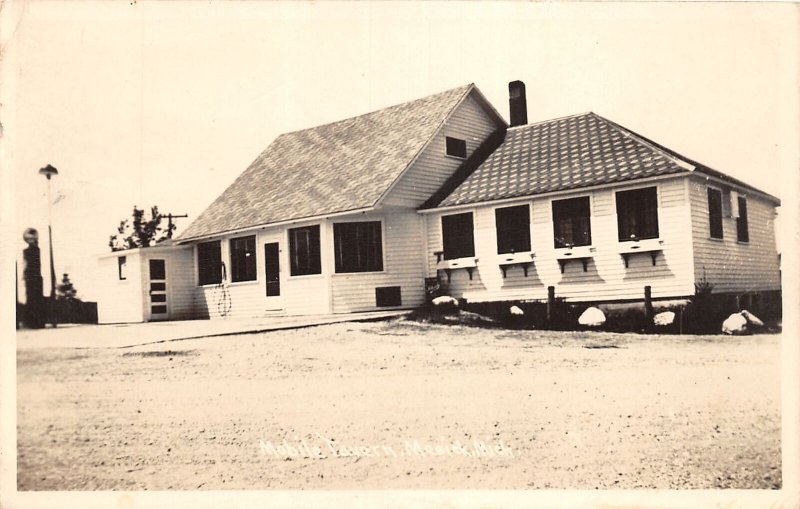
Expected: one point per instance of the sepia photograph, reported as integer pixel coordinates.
(424, 254)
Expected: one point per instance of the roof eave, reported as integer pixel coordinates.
(560, 192)
(274, 224)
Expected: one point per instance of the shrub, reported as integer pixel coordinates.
(706, 310)
(632, 319)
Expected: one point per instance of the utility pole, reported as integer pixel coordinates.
(170, 217)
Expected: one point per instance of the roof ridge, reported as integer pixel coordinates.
(540, 122)
(397, 105)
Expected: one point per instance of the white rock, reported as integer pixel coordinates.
(664, 318)
(592, 317)
(752, 319)
(515, 310)
(734, 324)
(445, 300)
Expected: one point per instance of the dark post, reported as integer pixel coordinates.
(34, 300)
(551, 302)
(648, 305)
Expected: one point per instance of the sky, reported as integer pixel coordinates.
(167, 103)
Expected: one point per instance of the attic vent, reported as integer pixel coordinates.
(387, 296)
(456, 147)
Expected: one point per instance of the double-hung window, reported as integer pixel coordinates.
(304, 253)
(742, 233)
(571, 222)
(457, 236)
(209, 263)
(513, 229)
(637, 214)
(715, 213)
(358, 247)
(243, 259)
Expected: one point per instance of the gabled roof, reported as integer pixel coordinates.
(338, 167)
(567, 153)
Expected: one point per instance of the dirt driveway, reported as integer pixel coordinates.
(403, 405)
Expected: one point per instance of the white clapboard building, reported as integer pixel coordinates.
(357, 214)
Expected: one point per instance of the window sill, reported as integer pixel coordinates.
(574, 252)
(458, 263)
(243, 283)
(514, 258)
(305, 276)
(457, 158)
(640, 246)
(715, 239)
(743, 243)
(366, 273)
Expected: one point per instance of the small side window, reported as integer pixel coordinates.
(122, 267)
(456, 147)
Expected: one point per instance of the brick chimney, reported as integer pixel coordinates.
(518, 106)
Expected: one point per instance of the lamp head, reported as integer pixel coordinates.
(48, 171)
(30, 236)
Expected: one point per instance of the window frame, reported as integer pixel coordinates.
(381, 225)
(459, 140)
(199, 266)
(657, 189)
(233, 271)
(711, 231)
(590, 200)
(497, 229)
(290, 243)
(471, 213)
(742, 219)
(122, 268)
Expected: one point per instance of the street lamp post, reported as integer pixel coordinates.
(48, 171)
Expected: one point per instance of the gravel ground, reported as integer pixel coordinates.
(403, 405)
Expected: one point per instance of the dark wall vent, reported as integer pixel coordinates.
(387, 296)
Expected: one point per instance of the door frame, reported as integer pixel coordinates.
(276, 302)
(152, 317)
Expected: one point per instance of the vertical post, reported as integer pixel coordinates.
(551, 302)
(50, 238)
(48, 171)
(648, 305)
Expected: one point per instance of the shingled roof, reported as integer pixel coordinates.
(338, 167)
(563, 154)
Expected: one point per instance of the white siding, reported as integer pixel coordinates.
(180, 288)
(433, 167)
(729, 265)
(300, 295)
(403, 266)
(606, 277)
(119, 301)
(403, 247)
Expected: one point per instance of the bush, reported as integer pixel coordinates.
(564, 315)
(706, 311)
(632, 319)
